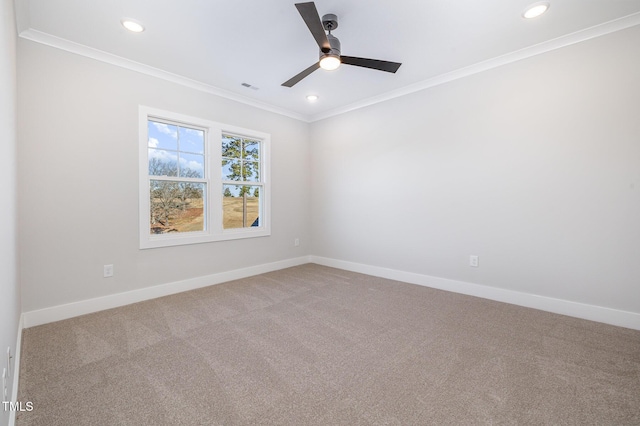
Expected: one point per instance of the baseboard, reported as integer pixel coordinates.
(544, 303)
(16, 370)
(70, 310)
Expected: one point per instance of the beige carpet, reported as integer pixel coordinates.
(313, 345)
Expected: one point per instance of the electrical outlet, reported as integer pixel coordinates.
(296, 242)
(108, 271)
(474, 261)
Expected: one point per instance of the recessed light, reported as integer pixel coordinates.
(132, 25)
(312, 98)
(536, 9)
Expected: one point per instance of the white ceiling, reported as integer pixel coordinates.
(217, 45)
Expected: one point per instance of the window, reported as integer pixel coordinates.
(241, 182)
(200, 181)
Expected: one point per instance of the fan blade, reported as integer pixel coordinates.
(310, 16)
(300, 76)
(375, 64)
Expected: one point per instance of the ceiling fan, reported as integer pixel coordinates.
(330, 57)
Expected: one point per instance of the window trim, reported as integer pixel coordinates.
(214, 195)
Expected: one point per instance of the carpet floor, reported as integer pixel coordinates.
(313, 345)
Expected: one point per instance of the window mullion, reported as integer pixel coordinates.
(178, 179)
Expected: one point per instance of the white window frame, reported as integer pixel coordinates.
(214, 230)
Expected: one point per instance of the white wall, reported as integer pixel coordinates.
(534, 166)
(9, 290)
(78, 157)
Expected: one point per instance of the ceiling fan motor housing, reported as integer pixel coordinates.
(335, 47)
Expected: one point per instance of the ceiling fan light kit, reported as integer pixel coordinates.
(330, 54)
(330, 62)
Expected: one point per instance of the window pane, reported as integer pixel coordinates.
(162, 162)
(191, 140)
(251, 150)
(240, 206)
(231, 169)
(231, 146)
(250, 171)
(191, 165)
(176, 206)
(163, 136)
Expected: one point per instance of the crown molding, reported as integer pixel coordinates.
(547, 46)
(518, 55)
(99, 55)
